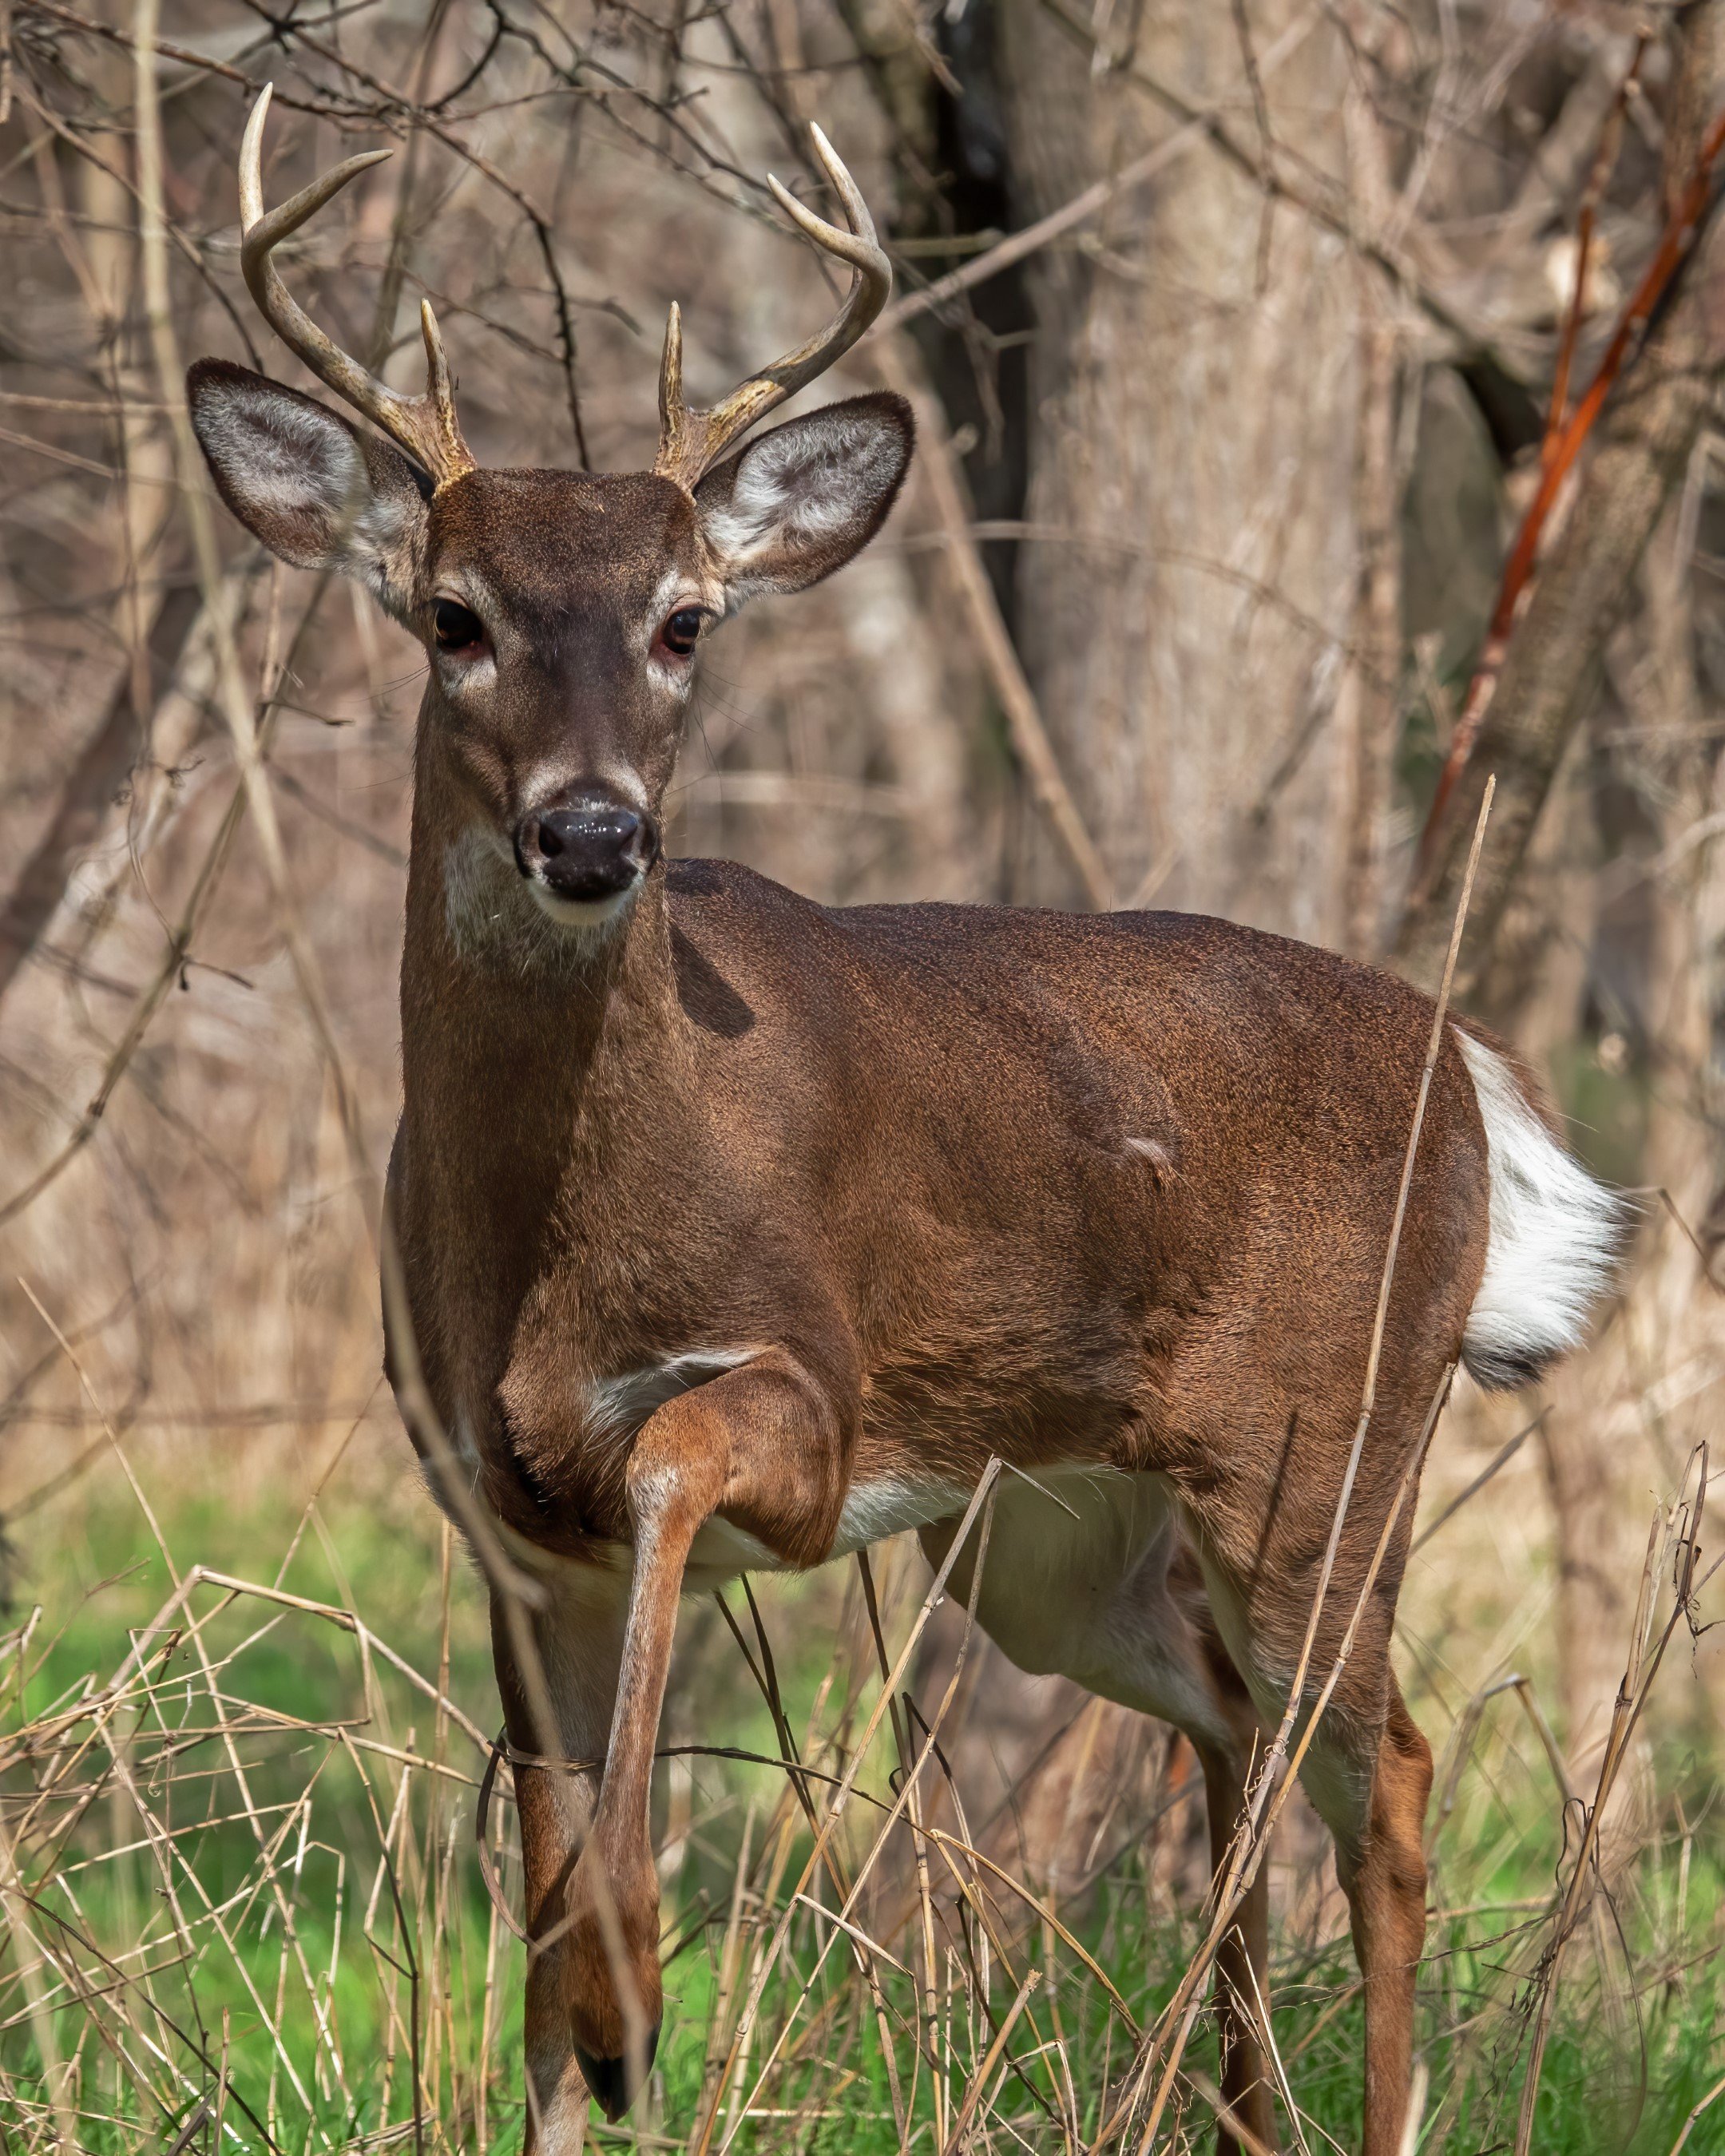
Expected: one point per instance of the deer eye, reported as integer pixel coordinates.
(457, 627)
(680, 632)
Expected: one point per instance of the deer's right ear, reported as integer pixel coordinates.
(316, 492)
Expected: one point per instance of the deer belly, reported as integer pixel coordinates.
(887, 1504)
(873, 1509)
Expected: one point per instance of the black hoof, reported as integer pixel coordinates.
(609, 2081)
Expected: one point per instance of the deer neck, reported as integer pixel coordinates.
(534, 1058)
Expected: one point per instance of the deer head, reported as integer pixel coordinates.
(559, 611)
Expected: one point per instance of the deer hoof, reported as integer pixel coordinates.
(613, 2087)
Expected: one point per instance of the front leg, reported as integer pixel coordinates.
(577, 1640)
(766, 1446)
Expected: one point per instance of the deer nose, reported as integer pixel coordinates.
(586, 849)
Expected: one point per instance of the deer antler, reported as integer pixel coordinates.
(425, 426)
(689, 441)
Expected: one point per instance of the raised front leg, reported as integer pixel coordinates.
(764, 1445)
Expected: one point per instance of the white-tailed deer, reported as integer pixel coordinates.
(740, 1231)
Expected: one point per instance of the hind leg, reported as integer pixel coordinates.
(1114, 1601)
(1262, 1518)
(1372, 1790)
(1369, 1774)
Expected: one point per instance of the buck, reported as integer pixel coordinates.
(739, 1231)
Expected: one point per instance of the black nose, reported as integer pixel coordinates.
(609, 2079)
(589, 848)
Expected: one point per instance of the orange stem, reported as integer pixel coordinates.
(1675, 243)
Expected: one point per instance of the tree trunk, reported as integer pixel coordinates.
(1188, 584)
(100, 770)
(1551, 673)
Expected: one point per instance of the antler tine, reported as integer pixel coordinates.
(425, 426)
(690, 441)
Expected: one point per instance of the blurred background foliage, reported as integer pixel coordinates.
(1235, 332)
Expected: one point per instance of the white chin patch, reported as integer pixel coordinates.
(587, 914)
(499, 919)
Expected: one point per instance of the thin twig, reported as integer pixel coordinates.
(1029, 736)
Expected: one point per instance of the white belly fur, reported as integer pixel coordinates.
(1076, 1585)
(873, 1511)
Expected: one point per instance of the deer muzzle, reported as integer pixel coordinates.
(584, 855)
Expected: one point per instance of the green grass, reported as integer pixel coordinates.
(364, 1931)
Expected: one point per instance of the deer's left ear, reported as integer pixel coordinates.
(797, 503)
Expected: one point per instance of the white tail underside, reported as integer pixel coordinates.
(1555, 1236)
